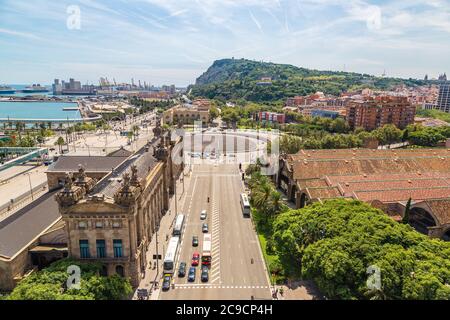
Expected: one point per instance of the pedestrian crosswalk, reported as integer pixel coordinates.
(215, 252)
(213, 286)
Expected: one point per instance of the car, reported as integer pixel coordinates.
(182, 270)
(195, 259)
(205, 228)
(203, 215)
(205, 274)
(166, 283)
(194, 241)
(191, 275)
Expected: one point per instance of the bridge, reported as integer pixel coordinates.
(26, 154)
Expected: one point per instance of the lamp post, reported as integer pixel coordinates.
(31, 188)
(157, 251)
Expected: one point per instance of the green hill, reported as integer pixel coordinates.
(233, 79)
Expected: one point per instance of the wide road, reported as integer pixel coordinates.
(237, 270)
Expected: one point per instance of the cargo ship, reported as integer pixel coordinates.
(7, 90)
(35, 88)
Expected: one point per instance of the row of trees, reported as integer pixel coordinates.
(50, 284)
(339, 243)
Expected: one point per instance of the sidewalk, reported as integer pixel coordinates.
(164, 234)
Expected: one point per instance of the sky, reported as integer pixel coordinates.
(175, 41)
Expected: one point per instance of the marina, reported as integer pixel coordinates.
(39, 111)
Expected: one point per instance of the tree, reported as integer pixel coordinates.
(407, 209)
(335, 242)
(388, 134)
(50, 284)
(213, 113)
(60, 142)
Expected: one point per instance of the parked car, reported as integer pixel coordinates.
(182, 270)
(166, 283)
(203, 215)
(195, 241)
(205, 274)
(205, 228)
(191, 275)
(195, 259)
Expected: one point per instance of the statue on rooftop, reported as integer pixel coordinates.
(68, 182)
(81, 173)
(126, 182)
(134, 176)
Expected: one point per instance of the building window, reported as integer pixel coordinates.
(82, 225)
(116, 225)
(99, 225)
(84, 249)
(117, 245)
(101, 249)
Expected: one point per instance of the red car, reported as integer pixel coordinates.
(195, 259)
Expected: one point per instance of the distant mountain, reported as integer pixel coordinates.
(263, 81)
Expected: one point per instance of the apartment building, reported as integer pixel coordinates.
(374, 112)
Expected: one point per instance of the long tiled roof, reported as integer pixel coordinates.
(24, 226)
(144, 162)
(91, 164)
(385, 175)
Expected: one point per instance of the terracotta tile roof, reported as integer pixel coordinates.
(323, 193)
(367, 153)
(403, 194)
(349, 187)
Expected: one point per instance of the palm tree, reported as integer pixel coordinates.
(275, 204)
(262, 195)
(60, 142)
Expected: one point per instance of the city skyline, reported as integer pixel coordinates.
(165, 42)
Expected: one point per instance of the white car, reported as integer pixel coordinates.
(203, 215)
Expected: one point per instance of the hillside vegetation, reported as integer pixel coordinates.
(234, 79)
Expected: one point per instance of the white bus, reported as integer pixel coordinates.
(178, 228)
(245, 205)
(206, 253)
(171, 254)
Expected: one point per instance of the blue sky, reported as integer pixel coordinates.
(174, 41)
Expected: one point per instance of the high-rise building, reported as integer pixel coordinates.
(443, 102)
(373, 113)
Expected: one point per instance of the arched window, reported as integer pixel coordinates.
(446, 236)
(120, 271)
(104, 271)
(421, 220)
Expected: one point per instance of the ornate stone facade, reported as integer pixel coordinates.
(115, 225)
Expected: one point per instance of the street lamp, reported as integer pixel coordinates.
(31, 188)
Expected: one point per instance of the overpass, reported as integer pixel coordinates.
(26, 154)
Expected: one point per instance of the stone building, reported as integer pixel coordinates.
(387, 179)
(188, 114)
(112, 221)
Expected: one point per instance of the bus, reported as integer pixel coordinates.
(206, 252)
(178, 228)
(171, 254)
(245, 205)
